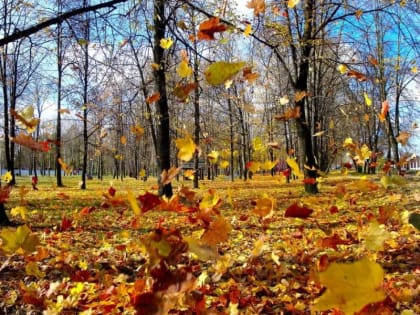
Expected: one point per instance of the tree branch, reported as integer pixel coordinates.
(58, 19)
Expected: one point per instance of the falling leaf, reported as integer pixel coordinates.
(168, 175)
(133, 202)
(166, 43)
(32, 269)
(373, 61)
(123, 140)
(189, 174)
(67, 170)
(64, 111)
(211, 200)
(223, 164)
(268, 165)
(149, 201)
(137, 130)
(248, 30)
(384, 110)
(212, 157)
(21, 211)
(248, 75)
(375, 235)
(263, 207)
(292, 3)
(342, 68)
(20, 239)
(66, 224)
(351, 286)
(7, 177)
(319, 133)
(403, 137)
(184, 70)
(257, 5)
(290, 113)
(218, 232)
(300, 95)
(368, 101)
(356, 75)
(296, 211)
(203, 251)
(414, 70)
(155, 66)
(219, 72)
(259, 246)
(332, 241)
(186, 147)
(294, 166)
(26, 119)
(153, 98)
(284, 100)
(182, 91)
(253, 166)
(358, 14)
(208, 27)
(27, 141)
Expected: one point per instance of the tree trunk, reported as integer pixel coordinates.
(163, 137)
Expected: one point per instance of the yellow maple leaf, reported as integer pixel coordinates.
(292, 3)
(294, 166)
(351, 286)
(210, 200)
(166, 43)
(186, 147)
(21, 239)
(375, 235)
(32, 269)
(248, 30)
(259, 246)
(254, 166)
(184, 70)
(368, 100)
(220, 72)
(268, 165)
(414, 69)
(133, 202)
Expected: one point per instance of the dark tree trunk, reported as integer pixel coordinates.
(163, 137)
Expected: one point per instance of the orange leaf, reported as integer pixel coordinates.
(264, 206)
(217, 232)
(295, 211)
(288, 114)
(357, 75)
(209, 27)
(257, 5)
(384, 110)
(300, 95)
(27, 141)
(249, 75)
(373, 61)
(153, 98)
(168, 175)
(403, 137)
(123, 140)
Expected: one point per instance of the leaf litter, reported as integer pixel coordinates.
(254, 247)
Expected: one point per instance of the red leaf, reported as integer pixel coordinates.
(357, 75)
(294, 211)
(4, 193)
(333, 209)
(149, 201)
(65, 224)
(27, 141)
(112, 191)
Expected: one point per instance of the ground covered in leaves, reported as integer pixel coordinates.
(257, 247)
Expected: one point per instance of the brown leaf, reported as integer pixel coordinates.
(209, 27)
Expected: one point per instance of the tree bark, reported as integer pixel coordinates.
(163, 137)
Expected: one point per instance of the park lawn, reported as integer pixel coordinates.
(95, 255)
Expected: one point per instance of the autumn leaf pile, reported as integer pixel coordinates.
(255, 247)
